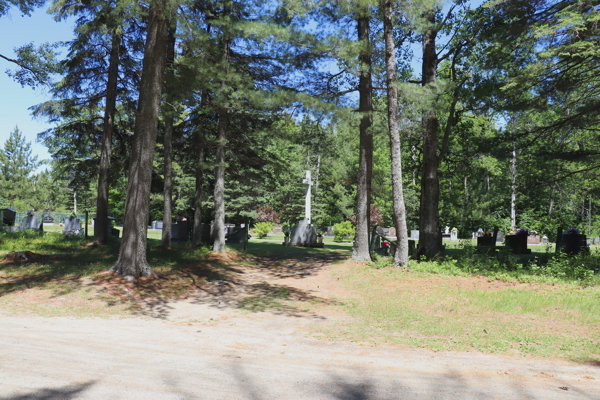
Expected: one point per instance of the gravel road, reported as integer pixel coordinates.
(236, 356)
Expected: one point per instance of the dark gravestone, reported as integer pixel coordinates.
(48, 219)
(8, 216)
(180, 231)
(236, 234)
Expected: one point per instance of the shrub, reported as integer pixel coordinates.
(343, 231)
(262, 229)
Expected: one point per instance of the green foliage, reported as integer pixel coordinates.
(262, 229)
(343, 231)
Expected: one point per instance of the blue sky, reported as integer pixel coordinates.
(16, 30)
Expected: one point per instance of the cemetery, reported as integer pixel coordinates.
(330, 200)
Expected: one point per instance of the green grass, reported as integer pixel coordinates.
(423, 309)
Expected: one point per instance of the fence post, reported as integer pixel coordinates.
(246, 237)
(86, 225)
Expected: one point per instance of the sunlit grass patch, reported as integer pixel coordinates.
(462, 312)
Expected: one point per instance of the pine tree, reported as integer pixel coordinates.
(16, 164)
(132, 254)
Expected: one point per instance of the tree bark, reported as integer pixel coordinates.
(197, 238)
(401, 256)
(168, 149)
(132, 254)
(513, 197)
(430, 236)
(219, 193)
(360, 251)
(101, 225)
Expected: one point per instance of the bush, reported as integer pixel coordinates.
(343, 231)
(262, 229)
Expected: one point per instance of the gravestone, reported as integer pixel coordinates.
(597, 240)
(236, 234)
(392, 232)
(157, 225)
(304, 234)
(8, 216)
(329, 231)
(414, 235)
(72, 226)
(453, 236)
(474, 236)
(30, 222)
(48, 219)
(180, 231)
(500, 237)
(447, 230)
(544, 239)
(277, 229)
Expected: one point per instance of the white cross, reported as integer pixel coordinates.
(307, 211)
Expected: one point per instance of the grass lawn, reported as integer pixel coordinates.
(417, 308)
(465, 301)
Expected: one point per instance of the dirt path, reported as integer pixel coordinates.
(204, 347)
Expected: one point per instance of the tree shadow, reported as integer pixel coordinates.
(64, 393)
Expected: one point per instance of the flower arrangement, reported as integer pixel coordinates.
(533, 232)
(511, 231)
(385, 243)
(455, 230)
(572, 231)
(523, 232)
(319, 234)
(30, 213)
(73, 215)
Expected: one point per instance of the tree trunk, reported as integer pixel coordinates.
(219, 193)
(430, 236)
(401, 257)
(132, 254)
(168, 148)
(360, 251)
(197, 238)
(101, 225)
(513, 197)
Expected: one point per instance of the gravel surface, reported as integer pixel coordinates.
(240, 356)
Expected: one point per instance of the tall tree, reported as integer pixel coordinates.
(401, 256)
(168, 143)
(132, 254)
(360, 251)
(101, 227)
(16, 164)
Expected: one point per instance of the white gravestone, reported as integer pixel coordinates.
(304, 234)
(453, 236)
(414, 235)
